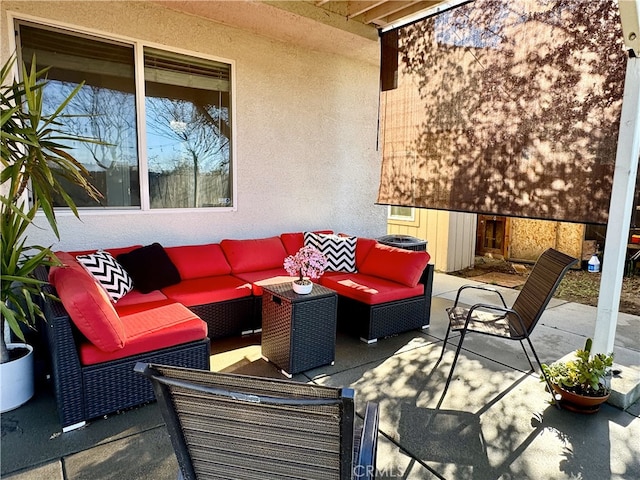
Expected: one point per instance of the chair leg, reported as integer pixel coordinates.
(526, 354)
(556, 397)
(453, 366)
(444, 346)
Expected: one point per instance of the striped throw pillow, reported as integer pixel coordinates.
(113, 278)
(340, 251)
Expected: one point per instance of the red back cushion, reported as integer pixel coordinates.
(295, 241)
(392, 263)
(88, 304)
(113, 251)
(254, 255)
(363, 247)
(198, 261)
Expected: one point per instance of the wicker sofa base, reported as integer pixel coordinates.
(113, 386)
(217, 315)
(86, 392)
(370, 322)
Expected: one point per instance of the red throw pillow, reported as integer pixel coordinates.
(392, 263)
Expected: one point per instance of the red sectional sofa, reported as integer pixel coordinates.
(215, 291)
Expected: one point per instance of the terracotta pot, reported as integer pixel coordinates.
(580, 403)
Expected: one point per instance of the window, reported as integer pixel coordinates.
(166, 140)
(405, 214)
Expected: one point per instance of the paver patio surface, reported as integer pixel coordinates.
(495, 423)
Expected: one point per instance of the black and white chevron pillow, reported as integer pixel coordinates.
(113, 278)
(340, 251)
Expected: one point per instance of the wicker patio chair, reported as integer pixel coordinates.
(515, 323)
(241, 427)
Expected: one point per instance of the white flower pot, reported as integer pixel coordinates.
(302, 288)
(16, 379)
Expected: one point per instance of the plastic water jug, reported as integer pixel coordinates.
(594, 264)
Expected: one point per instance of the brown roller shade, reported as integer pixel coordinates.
(389, 60)
(506, 108)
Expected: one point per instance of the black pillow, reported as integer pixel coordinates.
(150, 268)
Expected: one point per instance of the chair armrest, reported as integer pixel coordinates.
(479, 287)
(487, 306)
(364, 467)
(498, 308)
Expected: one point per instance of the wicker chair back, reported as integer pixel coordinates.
(242, 427)
(538, 290)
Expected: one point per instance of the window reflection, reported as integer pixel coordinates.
(188, 131)
(103, 109)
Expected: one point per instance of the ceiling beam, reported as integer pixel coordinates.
(415, 8)
(358, 8)
(387, 8)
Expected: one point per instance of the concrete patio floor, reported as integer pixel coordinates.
(495, 423)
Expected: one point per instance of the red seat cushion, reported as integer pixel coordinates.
(396, 264)
(199, 261)
(141, 307)
(88, 304)
(200, 291)
(368, 289)
(265, 277)
(151, 329)
(254, 255)
(136, 297)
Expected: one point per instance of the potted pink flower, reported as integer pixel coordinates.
(308, 262)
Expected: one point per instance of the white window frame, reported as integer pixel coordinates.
(401, 218)
(138, 47)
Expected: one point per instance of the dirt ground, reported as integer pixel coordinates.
(577, 286)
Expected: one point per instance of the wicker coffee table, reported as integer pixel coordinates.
(298, 331)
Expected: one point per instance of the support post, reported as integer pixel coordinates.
(622, 194)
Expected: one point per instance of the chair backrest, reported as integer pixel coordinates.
(539, 288)
(243, 427)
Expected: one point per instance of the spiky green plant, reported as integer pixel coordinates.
(35, 158)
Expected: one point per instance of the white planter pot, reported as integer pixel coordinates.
(16, 379)
(302, 289)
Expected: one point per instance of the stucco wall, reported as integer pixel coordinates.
(306, 127)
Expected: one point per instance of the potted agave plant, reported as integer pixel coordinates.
(581, 382)
(35, 158)
(307, 262)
